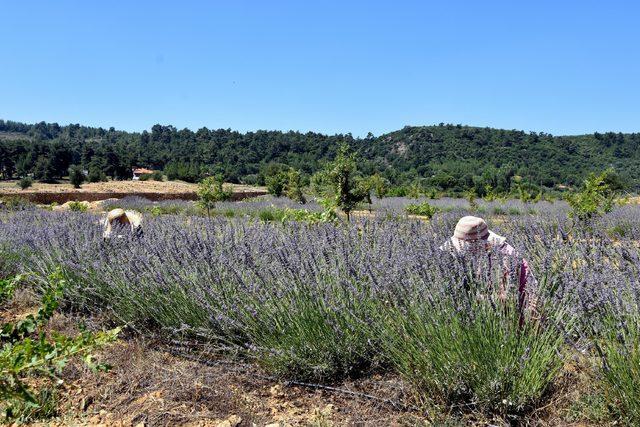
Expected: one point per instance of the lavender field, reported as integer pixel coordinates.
(327, 301)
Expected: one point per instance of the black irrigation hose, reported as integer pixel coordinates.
(389, 402)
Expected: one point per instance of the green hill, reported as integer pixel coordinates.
(446, 157)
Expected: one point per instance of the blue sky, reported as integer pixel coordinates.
(563, 67)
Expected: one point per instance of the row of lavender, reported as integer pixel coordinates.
(391, 205)
(324, 301)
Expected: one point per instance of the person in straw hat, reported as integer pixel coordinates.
(119, 220)
(473, 238)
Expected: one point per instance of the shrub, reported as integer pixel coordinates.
(421, 209)
(276, 183)
(96, 175)
(28, 353)
(25, 182)
(76, 176)
(293, 188)
(15, 203)
(596, 198)
(211, 190)
(76, 206)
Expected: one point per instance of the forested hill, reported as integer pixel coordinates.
(446, 157)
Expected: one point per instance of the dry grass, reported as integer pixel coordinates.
(132, 187)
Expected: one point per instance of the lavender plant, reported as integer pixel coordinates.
(322, 301)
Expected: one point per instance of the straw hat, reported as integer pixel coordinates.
(122, 217)
(473, 230)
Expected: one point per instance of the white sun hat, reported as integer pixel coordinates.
(472, 230)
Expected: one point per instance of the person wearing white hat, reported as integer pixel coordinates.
(473, 237)
(119, 218)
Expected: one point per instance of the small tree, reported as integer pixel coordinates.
(96, 174)
(596, 198)
(379, 185)
(76, 176)
(277, 183)
(210, 191)
(414, 190)
(339, 184)
(25, 182)
(294, 187)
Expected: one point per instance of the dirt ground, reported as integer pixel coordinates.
(155, 383)
(133, 187)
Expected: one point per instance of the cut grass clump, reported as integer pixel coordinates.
(421, 209)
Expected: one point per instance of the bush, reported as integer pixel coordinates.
(76, 206)
(421, 209)
(25, 182)
(30, 359)
(15, 203)
(76, 176)
(96, 175)
(595, 199)
(211, 190)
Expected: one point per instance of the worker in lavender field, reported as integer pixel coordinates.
(119, 221)
(472, 237)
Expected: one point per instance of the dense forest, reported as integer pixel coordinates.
(445, 157)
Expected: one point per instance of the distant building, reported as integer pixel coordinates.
(137, 172)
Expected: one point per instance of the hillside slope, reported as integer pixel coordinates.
(448, 157)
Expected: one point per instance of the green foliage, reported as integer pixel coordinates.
(155, 176)
(379, 185)
(339, 184)
(210, 191)
(25, 182)
(449, 158)
(76, 206)
(15, 203)
(76, 176)
(276, 183)
(185, 171)
(96, 175)
(28, 351)
(294, 187)
(7, 288)
(596, 198)
(422, 209)
(414, 191)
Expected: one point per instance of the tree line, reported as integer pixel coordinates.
(444, 158)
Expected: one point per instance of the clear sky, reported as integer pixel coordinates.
(563, 67)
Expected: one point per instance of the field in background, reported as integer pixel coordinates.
(153, 190)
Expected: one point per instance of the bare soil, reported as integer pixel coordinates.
(154, 190)
(133, 187)
(154, 384)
